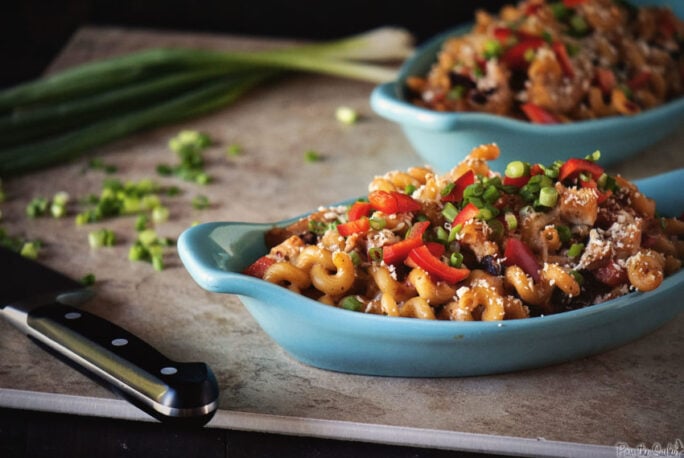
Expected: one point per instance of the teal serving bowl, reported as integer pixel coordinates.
(336, 339)
(443, 139)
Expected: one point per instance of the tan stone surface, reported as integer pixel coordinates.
(632, 394)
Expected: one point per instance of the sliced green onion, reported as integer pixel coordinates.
(511, 221)
(30, 250)
(88, 279)
(38, 206)
(377, 224)
(473, 190)
(594, 157)
(351, 303)
(375, 254)
(491, 194)
(141, 223)
(346, 115)
(492, 48)
(449, 211)
(160, 214)
(453, 233)
(101, 238)
(200, 202)
(312, 156)
(234, 150)
(578, 25)
(446, 190)
(577, 276)
(456, 259)
(517, 169)
(564, 233)
(548, 196)
(497, 228)
(317, 227)
(441, 235)
(575, 250)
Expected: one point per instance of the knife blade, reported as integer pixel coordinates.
(41, 302)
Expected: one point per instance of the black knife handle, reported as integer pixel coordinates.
(168, 390)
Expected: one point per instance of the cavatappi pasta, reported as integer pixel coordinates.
(473, 244)
(557, 61)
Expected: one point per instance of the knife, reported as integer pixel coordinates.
(41, 303)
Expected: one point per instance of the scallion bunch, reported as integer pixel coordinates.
(61, 116)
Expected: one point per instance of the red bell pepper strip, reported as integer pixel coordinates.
(358, 210)
(538, 115)
(573, 3)
(602, 195)
(468, 212)
(518, 182)
(505, 35)
(358, 226)
(462, 182)
(259, 267)
(515, 57)
(431, 264)
(397, 252)
(639, 80)
(391, 202)
(563, 58)
(517, 253)
(536, 169)
(605, 78)
(574, 166)
(436, 248)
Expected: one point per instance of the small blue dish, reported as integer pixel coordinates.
(444, 139)
(332, 338)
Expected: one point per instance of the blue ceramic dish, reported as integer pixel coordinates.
(443, 139)
(336, 339)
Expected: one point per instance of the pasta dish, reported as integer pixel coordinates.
(558, 61)
(473, 244)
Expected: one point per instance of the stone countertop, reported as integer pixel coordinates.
(632, 395)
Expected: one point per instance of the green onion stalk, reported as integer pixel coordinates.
(61, 116)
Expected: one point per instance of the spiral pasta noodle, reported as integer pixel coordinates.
(476, 245)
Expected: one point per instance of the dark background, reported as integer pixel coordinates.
(33, 31)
